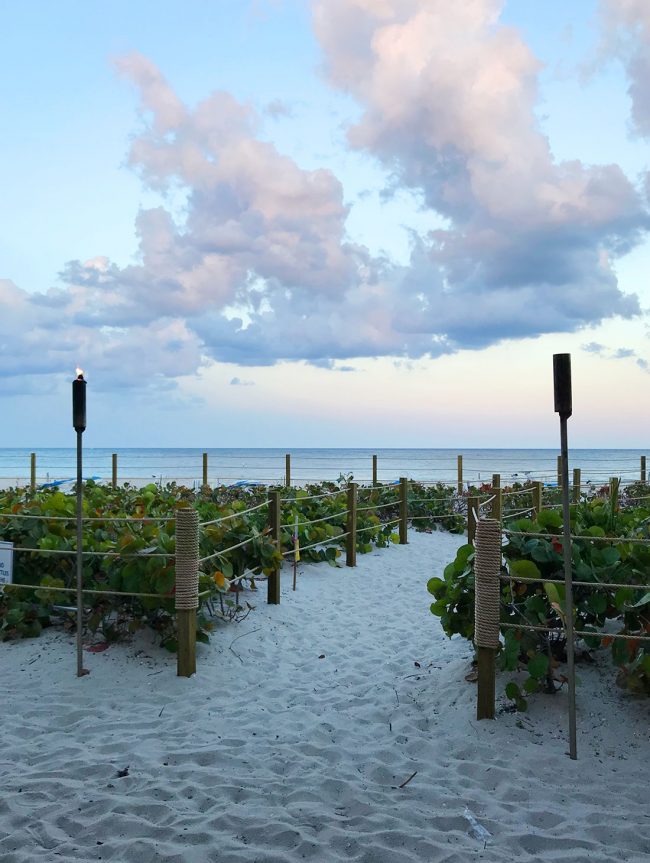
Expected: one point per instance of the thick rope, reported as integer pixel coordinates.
(187, 559)
(597, 585)
(614, 539)
(234, 515)
(316, 520)
(487, 567)
(583, 633)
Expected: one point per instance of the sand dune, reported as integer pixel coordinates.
(292, 741)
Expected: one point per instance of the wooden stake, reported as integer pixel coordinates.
(186, 633)
(538, 489)
(497, 503)
(273, 582)
(472, 508)
(403, 510)
(486, 694)
(487, 564)
(32, 472)
(576, 484)
(643, 473)
(205, 470)
(351, 539)
(459, 469)
(114, 470)
(287, 470)
(374, 470)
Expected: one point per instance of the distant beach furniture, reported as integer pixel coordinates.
(59, 482)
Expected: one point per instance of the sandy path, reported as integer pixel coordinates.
(276, 755)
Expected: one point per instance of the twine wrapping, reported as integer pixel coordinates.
(187, 560)
(487, 568)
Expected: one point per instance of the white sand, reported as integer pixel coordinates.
(278, 756)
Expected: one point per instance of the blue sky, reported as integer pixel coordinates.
(397, 248)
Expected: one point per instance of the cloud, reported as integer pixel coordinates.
(615, 354)
(261, 269)
(593, 348)
(238, 382)
(448, 99)
(626, 26)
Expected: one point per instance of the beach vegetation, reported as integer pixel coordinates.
(611, 597)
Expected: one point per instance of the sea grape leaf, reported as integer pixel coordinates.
(434, 584)
(523, 569)
(549, 518)
(537, 666)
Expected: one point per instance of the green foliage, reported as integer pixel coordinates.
(600, 562)
(139, 570)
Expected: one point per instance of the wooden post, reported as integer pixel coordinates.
(538, 489)
(32, 472)
(351, 539)
(114, 470)
(577, 481)
(205, 471)
(187, 588)
(273, 582)
(559, 471)
(374, 470)
(403, 510)
(614, 483)
(497, 503)
(459, 468)
(472, 507)
(487, 567)
(287, 470)
(643, 473)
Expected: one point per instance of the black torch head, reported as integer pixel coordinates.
(562, 384)
(79, 402)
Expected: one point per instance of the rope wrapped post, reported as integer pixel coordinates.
(403, 510)
(472, 511)
(497, 503)
(351, 540)
(287, 470)
(643, 473)
(205, 470)
(577, 480)
(374, 470)
(32, 472)
(187, 588)
(273, 582)
(459, 468)
(537, 498)
(114, 470)
(487, 568)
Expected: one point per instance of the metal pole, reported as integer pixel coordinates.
(563, 406)
(568, 586)
(80, 611)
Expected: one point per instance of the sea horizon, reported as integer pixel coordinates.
(267, 465)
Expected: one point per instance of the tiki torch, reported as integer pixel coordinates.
(79, 423)
(562, 388)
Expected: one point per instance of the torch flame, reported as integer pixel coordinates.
(80, 373)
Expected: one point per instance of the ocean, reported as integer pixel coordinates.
(229, 466)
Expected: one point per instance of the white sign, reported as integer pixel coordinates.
(6, 562)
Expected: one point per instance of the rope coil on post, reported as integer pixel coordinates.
(187, 560)
(487, 568)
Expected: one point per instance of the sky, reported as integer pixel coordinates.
(318, 223)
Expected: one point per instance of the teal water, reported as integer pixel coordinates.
(229, 466)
